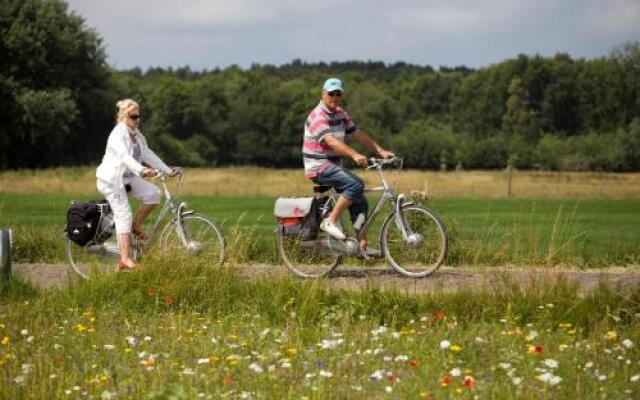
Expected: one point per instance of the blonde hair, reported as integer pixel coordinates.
(124, 107)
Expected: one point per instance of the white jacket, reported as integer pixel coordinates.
(118, 158)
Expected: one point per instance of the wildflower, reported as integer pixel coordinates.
(627, 343)
(132, 341)
(563, 347)
(169, 300)
(455, 372)
(455, 347)
(414, 363)
(203, 361)
(325, 374)
(551, 363)
(285, 365)
(376, 376)
(531, 336)
(5, 341)
(439, 315)
(330, 344)
(588, 365)
(445, 344)
(188, 371)
(152, 292)
(504, 365)
(401, 358)
(109, 346)
(255, 367)
(611, 335)
(550, 378)
(635, 378)
(468, 382)
(516, 381)
(446, 381)
(24, 332)
(391, 377)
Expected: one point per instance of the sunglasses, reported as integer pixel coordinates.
(134, 117)
(335, 93)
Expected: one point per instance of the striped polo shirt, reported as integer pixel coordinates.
(322, 122)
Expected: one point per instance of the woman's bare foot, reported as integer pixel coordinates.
(126, 265)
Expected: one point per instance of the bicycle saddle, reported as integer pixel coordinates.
(321, 188)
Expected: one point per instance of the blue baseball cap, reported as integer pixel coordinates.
(332, 84)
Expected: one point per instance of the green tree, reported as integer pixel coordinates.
(54, 86)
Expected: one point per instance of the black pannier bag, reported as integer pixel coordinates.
(82, 222)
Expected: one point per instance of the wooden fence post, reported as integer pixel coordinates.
(5, 254)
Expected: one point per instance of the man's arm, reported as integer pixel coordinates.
(345, 150)
(371, 144)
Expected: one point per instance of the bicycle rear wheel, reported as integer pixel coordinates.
(305, 258)
(204, 240)
(92, 259)
(426, 250)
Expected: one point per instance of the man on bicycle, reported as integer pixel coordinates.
(324, 132)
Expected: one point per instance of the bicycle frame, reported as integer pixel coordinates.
(387, 196)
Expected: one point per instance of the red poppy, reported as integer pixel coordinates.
(539, 349)
(152, 291)
(439, 315)
(446, 381)
(391, 377)
(169, 300)
(415, 363)
(468, 382)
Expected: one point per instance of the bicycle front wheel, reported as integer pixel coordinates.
(203, 240)
(424, 251)
(92, 259)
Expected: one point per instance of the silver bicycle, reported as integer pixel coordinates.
(413, 239)
(178, 231)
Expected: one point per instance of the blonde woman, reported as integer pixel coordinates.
(121, 171)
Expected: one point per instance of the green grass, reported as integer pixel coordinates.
(167, 331)
(585, 233)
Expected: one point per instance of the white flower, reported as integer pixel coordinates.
(445, 344)
(455, 372)
(635, 378)
(357, 388)
(330, 343)
(395, 335)
(588, 365)
(379, 331)
(504, 365)
(550, 378)
(203, 361)
(132, 341)
(106, 395)
(627, 343)
(376, 376)
(531, 336)
(255, 367)
(602, 378)
(26, 368)
(30, 339)
(24, 332)
(109, 346)
(148, 338)
(388, 389)
(325, 374)
(265, 332)
(285, 365)
(478, 339)
(551, 363)
(516, 380)
(188, 371)
(20, 379)
(401, 358)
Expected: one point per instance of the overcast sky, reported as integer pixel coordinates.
(476, 33)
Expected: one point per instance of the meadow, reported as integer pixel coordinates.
(585, 220)
(174, 330)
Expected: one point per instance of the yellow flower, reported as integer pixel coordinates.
(293, 351)
(5, 341)
(424, 393)
(80, 327)
(611, 335)
(214, 358)
(455, 347)
(563, 346)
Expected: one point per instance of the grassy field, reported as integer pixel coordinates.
(183, 333)
(585, 233)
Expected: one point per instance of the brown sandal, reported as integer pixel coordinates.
(139, 233)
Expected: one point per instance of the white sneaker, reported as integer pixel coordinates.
(332, 229)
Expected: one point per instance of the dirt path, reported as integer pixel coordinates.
(446, 279)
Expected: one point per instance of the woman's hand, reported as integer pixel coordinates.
(148, 172)
(385, 153)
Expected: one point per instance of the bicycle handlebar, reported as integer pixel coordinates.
(379, 162)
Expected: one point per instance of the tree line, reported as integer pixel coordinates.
(553, 113)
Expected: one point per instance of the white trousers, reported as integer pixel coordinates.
(142, 190)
